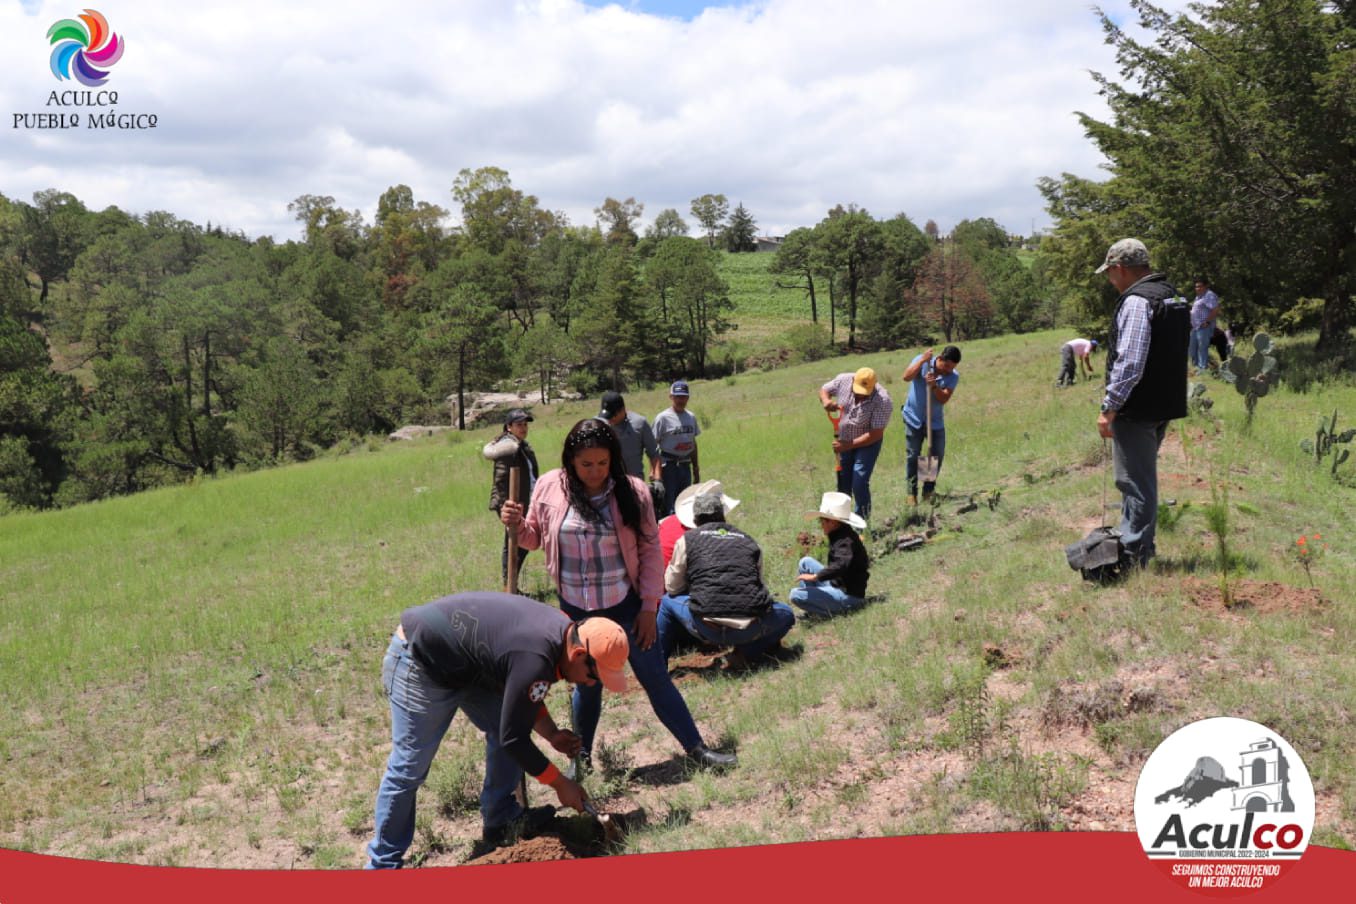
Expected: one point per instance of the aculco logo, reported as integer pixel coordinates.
(82, 48)
(1225, 806)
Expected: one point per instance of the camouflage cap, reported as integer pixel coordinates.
(1125, 253)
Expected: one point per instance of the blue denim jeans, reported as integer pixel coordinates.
(1198, 346)
(855, 476)
(677, 476)
(652, 672)
(1134, 455)
(914, 439)
(821, 597)
(421, 712)
(675, 618)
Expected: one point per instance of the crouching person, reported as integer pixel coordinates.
(492, 656)
(839, 586)
(716, 591)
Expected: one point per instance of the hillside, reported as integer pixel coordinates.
(192, 674)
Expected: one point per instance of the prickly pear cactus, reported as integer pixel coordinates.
(1325, 437)
(1255, 375)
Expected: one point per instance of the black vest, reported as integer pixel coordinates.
(722, 573)
(1160, 394)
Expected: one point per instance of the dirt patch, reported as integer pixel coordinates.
(533, 850)
(1254, 596)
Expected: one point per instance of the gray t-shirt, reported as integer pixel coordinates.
(636, 439)
(676, 434)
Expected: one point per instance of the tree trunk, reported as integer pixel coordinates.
(1334, 333)
(810, 285)
(461, 386)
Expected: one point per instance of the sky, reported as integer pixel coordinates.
(944, 110)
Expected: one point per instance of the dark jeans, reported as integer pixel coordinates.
(677, 476)
(677, 618)
(914, 439)
(1134, 453)
(854, 476)
(651, 670)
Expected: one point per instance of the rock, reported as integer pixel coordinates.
(414, 431)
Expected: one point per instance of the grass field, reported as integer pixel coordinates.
(763, 311)
(191, 675)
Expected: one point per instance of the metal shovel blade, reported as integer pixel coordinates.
(927, 469)
(611, 831)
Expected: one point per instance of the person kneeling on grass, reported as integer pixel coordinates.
(716, 591)
(493, 656)
(839, 586)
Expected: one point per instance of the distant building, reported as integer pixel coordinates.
(768, 242)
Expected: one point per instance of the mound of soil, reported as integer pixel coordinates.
(533, 850)
(1255, 596)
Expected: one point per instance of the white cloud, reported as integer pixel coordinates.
(941, 111)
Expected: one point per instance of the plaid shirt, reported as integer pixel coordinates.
(592, 568)
(859, 417)
(1132, 341)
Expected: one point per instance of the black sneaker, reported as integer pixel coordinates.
(706, 758)
(580, 766)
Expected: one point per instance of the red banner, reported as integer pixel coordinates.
(1104, 867)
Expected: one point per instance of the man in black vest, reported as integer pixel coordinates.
(1146, 381)
(716, 591)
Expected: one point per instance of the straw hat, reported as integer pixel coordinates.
(838, 506)
(682, 506)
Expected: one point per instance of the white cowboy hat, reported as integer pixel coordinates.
(682, 506)
(838, 506)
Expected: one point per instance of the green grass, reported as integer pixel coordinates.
(192, 675)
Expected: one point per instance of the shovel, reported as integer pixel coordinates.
(515, 481)
(611, 830)
(835, 416)
(929, 466)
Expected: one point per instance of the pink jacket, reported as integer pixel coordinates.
(540, 529)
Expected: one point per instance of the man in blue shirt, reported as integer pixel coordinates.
(937, 376)
(1204, 311)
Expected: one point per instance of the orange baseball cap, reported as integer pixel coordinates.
(605, 641)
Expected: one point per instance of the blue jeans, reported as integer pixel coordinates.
(677, 476)
(914, 439)
(651, 670)
(421, 712)
(855, 476)
(1198, 346)
(1134, 454)
(675, 617)
(821, 597)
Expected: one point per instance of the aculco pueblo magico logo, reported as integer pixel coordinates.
(83, 48)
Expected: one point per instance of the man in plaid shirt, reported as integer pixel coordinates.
(865, 411)
(1145, 386)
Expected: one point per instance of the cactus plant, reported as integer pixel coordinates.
(1254, 375)
(1325, 437)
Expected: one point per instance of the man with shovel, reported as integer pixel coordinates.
(931, 381)
(492, 656)
(863, 414)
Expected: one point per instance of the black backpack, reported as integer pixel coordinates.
(1099, 557)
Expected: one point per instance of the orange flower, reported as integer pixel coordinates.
(1317, 537)
(1300, 541)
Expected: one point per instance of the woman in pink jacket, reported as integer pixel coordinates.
(597, 528)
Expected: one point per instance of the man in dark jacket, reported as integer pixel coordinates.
(492, 656)
(839, 586)
(510, 450)
(716, 592)
(1146, 382)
